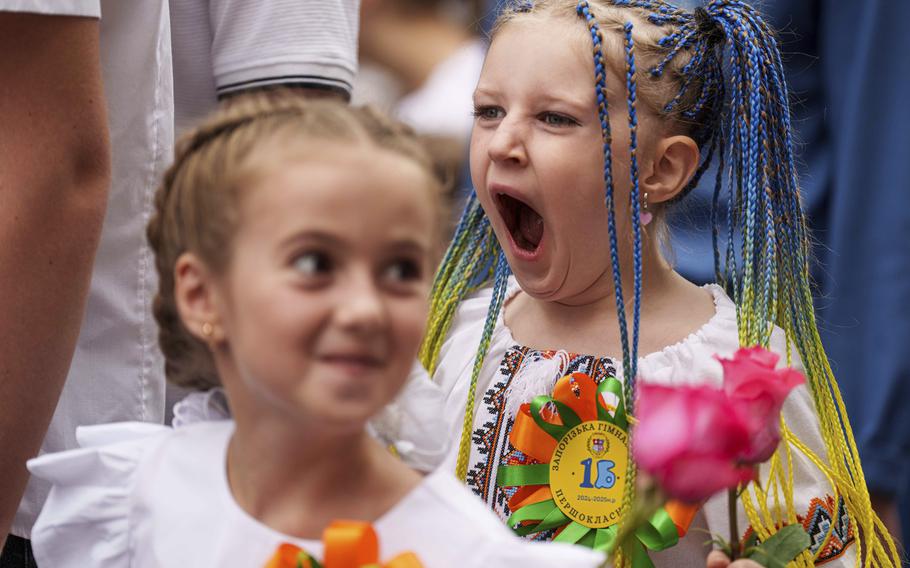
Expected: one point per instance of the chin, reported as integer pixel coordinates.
(541, 287)
(345, 418)
(337, 410)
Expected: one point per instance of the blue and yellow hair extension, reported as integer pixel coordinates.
(724, 65)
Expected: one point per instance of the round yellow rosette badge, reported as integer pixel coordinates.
(581, 445)
(586, 470)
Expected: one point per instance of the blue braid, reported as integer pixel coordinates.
(749, 136)
(603, 113)
(683, 42)
(713, 83)
(524, 6)
(715, 198)
(500, 284)
(635, 200)
(467, 217)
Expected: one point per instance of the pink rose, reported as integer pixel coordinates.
(689, 441)
(756, 391)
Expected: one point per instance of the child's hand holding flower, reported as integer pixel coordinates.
(718, 559)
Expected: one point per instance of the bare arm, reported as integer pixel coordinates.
(54, 178)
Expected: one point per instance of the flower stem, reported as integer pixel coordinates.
(734, 528)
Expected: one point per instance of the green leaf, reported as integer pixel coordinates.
(750, 542)
(782, 547)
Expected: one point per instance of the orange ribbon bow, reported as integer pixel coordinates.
(348, 544)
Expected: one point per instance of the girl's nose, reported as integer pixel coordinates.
(363, 310)
(507, 144)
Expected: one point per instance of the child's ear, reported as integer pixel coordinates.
(196, 299)
(675, 161)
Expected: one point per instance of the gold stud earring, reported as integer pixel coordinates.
(208, 330)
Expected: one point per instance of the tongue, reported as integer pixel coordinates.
(530, 227)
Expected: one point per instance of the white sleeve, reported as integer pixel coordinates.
(414, 423)
(85, 8)
(85, 520)
(814, 499)
(284, 42)
(201, 406)
(544, 555)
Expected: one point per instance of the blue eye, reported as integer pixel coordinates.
(312, 264)
(556, 119)
(488, 112)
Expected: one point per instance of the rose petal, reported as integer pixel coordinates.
(757, 393)
(654, 440)
(696, 478)
(683, 427)
(759, 355)
(763, 445)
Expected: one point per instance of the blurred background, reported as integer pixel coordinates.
(419, 61)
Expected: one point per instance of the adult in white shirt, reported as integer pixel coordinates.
(226, 47)
(74, 329)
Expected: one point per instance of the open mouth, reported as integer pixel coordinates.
(524, 224)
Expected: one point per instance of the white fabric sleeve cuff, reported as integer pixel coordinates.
(339, 76)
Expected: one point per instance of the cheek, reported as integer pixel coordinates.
(283, 312)
(478, 160)
(272, 334)
(579, 189)
(408, 324)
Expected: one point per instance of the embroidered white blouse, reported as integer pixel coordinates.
(689, 362)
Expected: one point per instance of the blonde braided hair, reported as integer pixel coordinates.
(196, 205)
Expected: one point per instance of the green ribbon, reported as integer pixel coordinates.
(566, 415)
(618, 418)
(572, 533)
(303, 557)
(521, 475)
(659, 533)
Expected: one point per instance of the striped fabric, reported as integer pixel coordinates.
(222, 47)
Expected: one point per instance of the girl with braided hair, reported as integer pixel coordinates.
(294, 245)
(592, 119)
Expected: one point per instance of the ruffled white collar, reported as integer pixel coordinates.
(689, 361)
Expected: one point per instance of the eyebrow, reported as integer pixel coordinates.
(579, 104)
(322, 237)
(480, 91)
(548, 98)
(408, 244)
